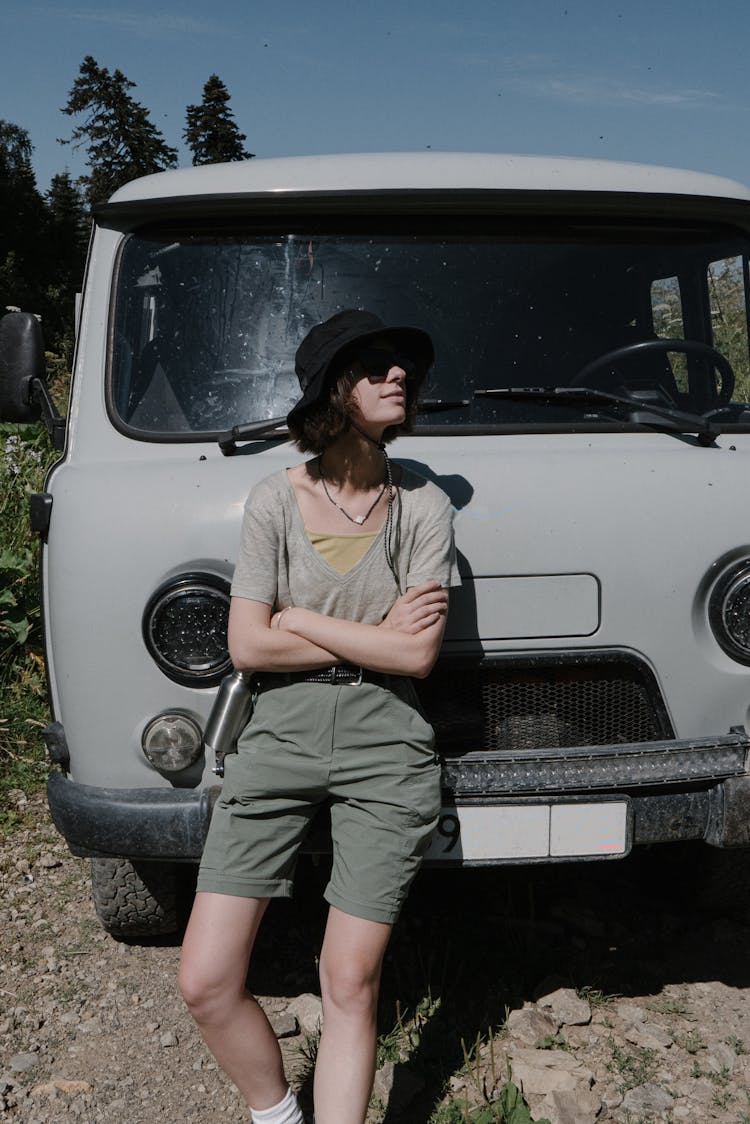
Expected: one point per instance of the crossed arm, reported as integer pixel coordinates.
(406, 642)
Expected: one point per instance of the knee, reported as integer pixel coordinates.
(349, 989)
(206, 994)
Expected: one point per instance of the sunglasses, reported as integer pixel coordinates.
(378, 362)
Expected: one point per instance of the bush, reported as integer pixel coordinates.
(25, 454)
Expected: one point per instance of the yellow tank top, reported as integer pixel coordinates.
(341, 552)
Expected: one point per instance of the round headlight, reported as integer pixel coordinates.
(185, 629)
(729, 611)
(172, 741)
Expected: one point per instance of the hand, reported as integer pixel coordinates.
(417, 609)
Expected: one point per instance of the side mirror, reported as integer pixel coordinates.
(21, 361)
(24, 396)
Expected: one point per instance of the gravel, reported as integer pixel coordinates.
(613, 999)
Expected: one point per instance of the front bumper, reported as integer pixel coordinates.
(696, 789)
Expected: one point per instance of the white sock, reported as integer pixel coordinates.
(285, 1112)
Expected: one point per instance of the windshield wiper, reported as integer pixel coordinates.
(272, 428)
(276, 428)
(706, 431)
(435, 405)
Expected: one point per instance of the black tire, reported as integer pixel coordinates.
(21, 360)
(135, 899)
(706, 880)
(721, 880)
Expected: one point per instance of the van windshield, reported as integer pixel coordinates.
(205, 326)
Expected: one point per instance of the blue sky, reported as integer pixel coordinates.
(659, 82)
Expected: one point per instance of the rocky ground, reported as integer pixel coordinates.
(603, 993)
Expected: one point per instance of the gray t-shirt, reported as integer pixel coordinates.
(279, 566)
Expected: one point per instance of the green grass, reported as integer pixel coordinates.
(631, 1067)
(25, 455)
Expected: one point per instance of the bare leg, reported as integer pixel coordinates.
(215, 957)
(350, 964)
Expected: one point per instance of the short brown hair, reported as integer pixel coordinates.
(328, 418)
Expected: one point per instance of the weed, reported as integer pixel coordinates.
(25, 454)
(691, 1042)
(670, 1005)
(509, 1107)
(307, 1050)
(552, 1042)
(737, 1044)
(405, 1035)
(595, 997)
(634, 1067)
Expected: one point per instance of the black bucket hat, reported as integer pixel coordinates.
(324, 343)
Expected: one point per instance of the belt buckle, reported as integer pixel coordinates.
(354, 682)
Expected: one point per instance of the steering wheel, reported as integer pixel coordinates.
(647, 347)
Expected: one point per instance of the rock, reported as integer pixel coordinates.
(396, 1086)
(629, 1013)
(548, 1071)
(168, 1039)
(584, 1036)
(611, 1097)
(22, 1063)
(48, 861)
(565, 1006)
(530, 1026)
(283, 1023)
(720, 1057)
(648, 1100)
(566, 1107)
(62, 1085)
(308, 1011)
(649, 1036)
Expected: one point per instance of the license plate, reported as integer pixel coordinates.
(585, 829)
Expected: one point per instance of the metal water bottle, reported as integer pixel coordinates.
(229, 715)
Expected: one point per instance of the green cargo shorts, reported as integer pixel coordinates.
(367, 751)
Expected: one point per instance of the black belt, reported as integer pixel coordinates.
(339, 675)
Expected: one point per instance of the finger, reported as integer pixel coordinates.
(424, 587)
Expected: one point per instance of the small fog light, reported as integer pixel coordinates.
(172, 741)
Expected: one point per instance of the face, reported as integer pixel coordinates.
(379, 395)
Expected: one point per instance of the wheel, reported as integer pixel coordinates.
(645, 347)
(21, 360)
(135, 899)
(704, 879)
(721, 881)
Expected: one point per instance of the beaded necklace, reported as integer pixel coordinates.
(358, 519)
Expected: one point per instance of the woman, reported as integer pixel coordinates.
(339, 596)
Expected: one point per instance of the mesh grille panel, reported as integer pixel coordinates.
(510, 708)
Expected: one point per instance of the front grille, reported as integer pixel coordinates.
(508, 706)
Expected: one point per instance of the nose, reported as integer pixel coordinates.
(396, 374)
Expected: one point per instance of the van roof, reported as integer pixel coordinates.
(422, 171)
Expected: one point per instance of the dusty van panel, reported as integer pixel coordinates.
(588, 415)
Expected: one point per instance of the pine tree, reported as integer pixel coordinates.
(21, 222)
(67, 228)
(211, 132)
(121, 141)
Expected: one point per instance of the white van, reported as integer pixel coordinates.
(588, 415)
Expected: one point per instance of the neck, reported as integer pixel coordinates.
(355, 458)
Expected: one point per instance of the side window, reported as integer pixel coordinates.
(668, 323)
(726, 289)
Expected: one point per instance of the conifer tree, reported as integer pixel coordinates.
(67, 228)
(21, 222)
(211, 133)
(121, 141)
